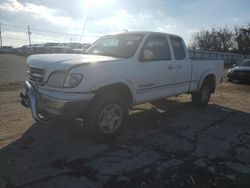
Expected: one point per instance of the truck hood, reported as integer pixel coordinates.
(65, 61)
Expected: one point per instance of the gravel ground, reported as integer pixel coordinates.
(12, 69)
(168, 143)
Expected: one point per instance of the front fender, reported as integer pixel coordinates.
(125, 82)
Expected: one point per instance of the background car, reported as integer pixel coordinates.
(240, 72)
(6, 49)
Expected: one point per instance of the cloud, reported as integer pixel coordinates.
(58, 19)
(193, 30)
(166, 28)
(139, 21)
(235, 19)
(38, 11)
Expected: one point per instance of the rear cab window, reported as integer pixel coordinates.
(178, 48)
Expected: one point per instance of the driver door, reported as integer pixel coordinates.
(155, 68)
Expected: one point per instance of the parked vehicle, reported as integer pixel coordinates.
(6, 49)
(58, 48)
(27, 49)
(33, 49)
(241, 72)
(20, 50)
(116, 73)
(42, 48)
(67, 48)
(81, 49)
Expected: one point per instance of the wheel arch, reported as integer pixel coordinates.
(118, 88)
(211, 78)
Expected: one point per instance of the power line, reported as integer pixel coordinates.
(131, 11)
(37, 29)
(15, 38)
(135, 10)
(83, 30)
(15, 26)
(63, 33)
(46, 31)
(55, 32)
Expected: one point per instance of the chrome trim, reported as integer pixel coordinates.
(46, 108)
(33, 104)
(36, 75)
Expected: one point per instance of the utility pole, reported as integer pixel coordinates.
(1, 40)
(29, 33)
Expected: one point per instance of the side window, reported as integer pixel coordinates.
(157, 47)
(178, 48)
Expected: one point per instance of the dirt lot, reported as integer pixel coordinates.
(168, 143)
(12, 69)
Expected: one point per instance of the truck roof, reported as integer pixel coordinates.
(146, 33)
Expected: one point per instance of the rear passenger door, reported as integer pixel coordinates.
(155, 69)
(182, 64)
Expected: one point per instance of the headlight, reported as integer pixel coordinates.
(72, 80)
(62, 79)
(230, 71)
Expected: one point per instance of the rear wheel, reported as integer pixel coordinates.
(201, 98)
(107, 116)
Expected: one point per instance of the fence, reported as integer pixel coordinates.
(229, 58)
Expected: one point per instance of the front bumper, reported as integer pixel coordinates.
(242, 76)
(44, 106)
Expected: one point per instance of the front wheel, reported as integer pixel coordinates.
(201, 98)
(107, 116)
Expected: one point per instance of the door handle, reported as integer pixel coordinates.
(179, 66)
(170, 67)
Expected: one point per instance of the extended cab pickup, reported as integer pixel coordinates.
(116, 73)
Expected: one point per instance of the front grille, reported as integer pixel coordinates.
(35, 75)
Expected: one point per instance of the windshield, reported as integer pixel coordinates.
(121, 45)
(245, 64)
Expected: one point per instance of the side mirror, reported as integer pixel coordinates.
(147, 55)
(234, 65)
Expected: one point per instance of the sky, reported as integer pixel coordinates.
(86, 20)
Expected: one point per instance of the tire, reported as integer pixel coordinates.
(201, 98)
(107, 116)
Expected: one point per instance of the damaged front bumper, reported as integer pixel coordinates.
(45, 107)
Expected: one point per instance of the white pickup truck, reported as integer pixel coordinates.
(116, 73)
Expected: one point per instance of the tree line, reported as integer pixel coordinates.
(223, 39)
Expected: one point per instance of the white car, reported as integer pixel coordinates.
(116, 73)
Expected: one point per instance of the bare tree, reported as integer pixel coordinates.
(220, 39)
(242, 39)
(226, 39)
(201, 40)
